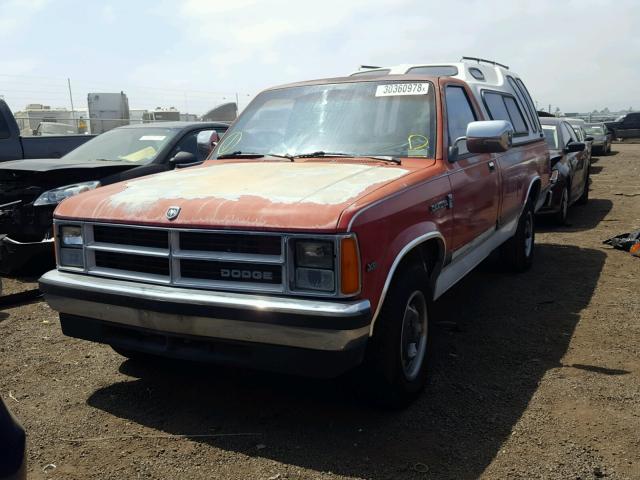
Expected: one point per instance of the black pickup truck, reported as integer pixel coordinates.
(625, 127)
(15, 147)
(31, 189)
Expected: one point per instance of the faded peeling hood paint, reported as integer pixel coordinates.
(265, 195)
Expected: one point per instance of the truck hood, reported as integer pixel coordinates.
(243, 195)
(52, 164)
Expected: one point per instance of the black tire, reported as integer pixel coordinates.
(584, 198)
(391, 377)
(517, 252)
(560, 217)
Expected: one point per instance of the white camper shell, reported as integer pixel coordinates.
(500, 92)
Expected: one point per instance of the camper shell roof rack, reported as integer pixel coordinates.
(476, 59)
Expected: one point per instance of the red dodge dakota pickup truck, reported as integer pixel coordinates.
(316, 236)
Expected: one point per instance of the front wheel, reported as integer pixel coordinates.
(517, 252)
(560, 217)
(397, 358)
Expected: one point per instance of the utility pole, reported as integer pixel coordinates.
(73, 112)
(549, 108)
(237, 104)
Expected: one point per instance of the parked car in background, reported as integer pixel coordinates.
(13, 146)
(601, 137)
(31, 189)
(578, 126)
(626, 127)
(330, 216)
(569, 169)
(13, 459)
(54, 128)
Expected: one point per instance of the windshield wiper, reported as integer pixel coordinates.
(239, 154)
(320, 153)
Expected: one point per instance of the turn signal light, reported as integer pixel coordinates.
(349, 266)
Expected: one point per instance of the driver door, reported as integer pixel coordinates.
(475, 181)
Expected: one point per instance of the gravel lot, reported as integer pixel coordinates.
(536, 376)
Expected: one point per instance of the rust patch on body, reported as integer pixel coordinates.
(259, 195)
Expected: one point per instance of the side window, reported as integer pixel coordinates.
(532, 107)
(4, 128)
(459, 115)
(568, 134)
(497, 108)
(529, 114)
(516, 115)
(503, 107)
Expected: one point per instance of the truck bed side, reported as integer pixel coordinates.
(15, 147)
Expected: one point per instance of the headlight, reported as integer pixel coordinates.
(314, 254)
(55, 196)
(70, 253)
(314, 265)
(71, 236)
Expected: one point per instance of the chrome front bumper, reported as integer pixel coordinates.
(331, 326)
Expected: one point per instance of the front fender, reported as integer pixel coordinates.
(402, 245)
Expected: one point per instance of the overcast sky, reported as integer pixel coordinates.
(577, 55)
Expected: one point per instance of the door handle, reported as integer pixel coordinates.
(492, 166)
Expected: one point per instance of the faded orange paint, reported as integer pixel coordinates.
(259, 195)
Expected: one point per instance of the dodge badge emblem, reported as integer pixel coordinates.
(172, 213)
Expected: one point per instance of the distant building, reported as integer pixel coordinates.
(36, 113)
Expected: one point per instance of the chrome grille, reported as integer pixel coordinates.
(237, 243)
(131, 236)
(203, 259)
(134, 263)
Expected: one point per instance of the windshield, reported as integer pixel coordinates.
(551, 136)
(134, 145)
(594, 129)
(56, 129)
(355, 119)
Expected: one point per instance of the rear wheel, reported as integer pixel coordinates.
(517, 252)
(397, 358)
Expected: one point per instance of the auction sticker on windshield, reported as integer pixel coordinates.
(393, 89)
(153, 138)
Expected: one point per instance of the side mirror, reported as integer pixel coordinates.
(588, 139)
(207, 141)
(575, 147)
(491, 136)
(183, 159)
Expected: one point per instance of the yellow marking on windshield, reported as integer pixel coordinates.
(418, 145)
(142, 154)
(229, 142)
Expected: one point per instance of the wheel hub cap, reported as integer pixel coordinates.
(414, 335)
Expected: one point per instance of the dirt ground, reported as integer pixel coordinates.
(536, 376)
